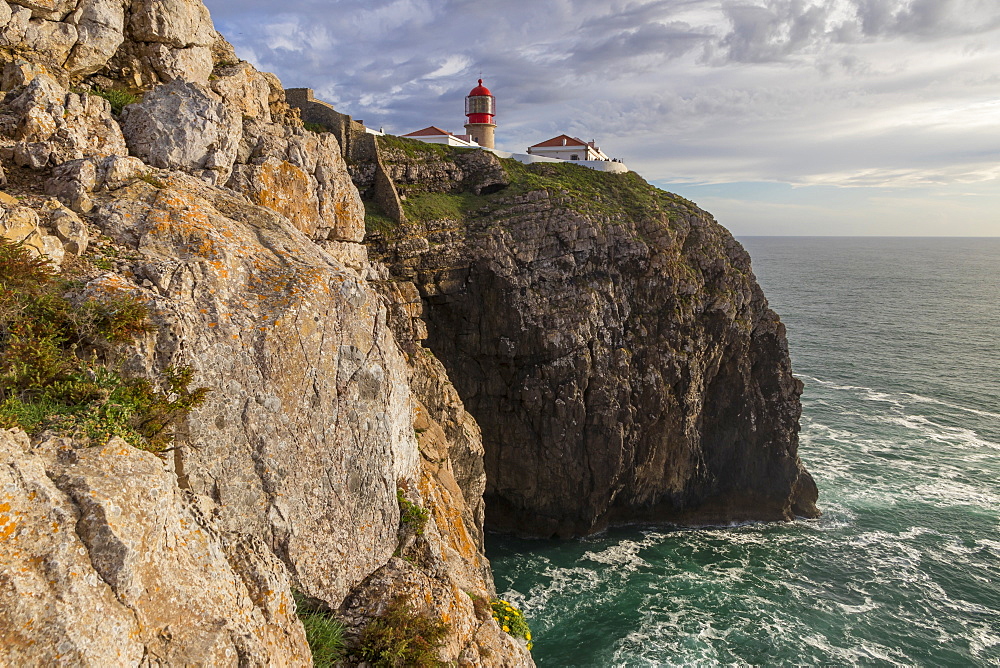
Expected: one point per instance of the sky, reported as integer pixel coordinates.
(781, 117)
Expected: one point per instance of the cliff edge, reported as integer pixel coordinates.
(609, 338)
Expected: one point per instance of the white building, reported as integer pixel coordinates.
(435, 135)
(565, 147)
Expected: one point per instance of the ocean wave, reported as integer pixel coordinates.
(937, 402)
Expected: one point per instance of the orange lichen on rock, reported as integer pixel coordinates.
(282, 187)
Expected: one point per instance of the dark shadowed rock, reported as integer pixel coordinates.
(616, 350)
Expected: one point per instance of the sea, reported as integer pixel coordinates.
(898, 343)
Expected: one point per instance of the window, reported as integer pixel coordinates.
(574, 157)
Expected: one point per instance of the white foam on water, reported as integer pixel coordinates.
(937, 402)
(982, 640)
(950, 493)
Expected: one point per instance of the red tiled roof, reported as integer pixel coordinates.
(558, 141)
(428, 131)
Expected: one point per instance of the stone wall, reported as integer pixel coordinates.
(357, 146)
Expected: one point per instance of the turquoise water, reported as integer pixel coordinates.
(898, 343)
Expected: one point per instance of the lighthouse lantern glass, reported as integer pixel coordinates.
(479, 104)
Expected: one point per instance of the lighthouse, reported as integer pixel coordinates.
(480, 108)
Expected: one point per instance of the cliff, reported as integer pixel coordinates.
(609, 338)
(221, 417)
(167, 179)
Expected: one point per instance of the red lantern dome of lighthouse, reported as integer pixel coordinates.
(480, 90)
(480, 105)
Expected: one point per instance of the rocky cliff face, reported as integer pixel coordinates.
(609, 338)
(239, 230)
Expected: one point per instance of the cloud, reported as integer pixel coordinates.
(850, 93)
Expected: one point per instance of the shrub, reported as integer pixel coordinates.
(46, 383)
(318, 128)
(402, 637)
(324, 632)
(511, 620)
(118, 98)
(411, 515)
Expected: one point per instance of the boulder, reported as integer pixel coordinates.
(14, 27)
(184, 126)
(64, 125)
(303, 176)
(108, 562)
(244, 88)
(177, 23)
(100, 26)
(50, 10)
(67, 227)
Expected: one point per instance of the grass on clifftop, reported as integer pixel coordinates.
(591, 191)
(583, 189)
(52, 342)
(435, 206)
(416, 149)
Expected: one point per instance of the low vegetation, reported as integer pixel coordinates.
(118, 98)
(411, 515)
(324, 632)
(376, 222)
(589, 191)
(54, 352)
(318, 128)
(593, 191)
(402, 637)
(438, 206)
(511, 620)
(418, 150)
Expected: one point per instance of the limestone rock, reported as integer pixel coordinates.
(68, 228)
(428, 171)
(54, 125)
(118, 171)
(170, 64)
(244, 88)
(17, 223)
(108, 562)
(53, 40)
(50, 10)
(19, 73)
(308, 426)
(14, 27)
(184, 126)
(100, 26)
(177, 23)
(301, 175)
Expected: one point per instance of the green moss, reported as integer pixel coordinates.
(46, 380)
(402, 637)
